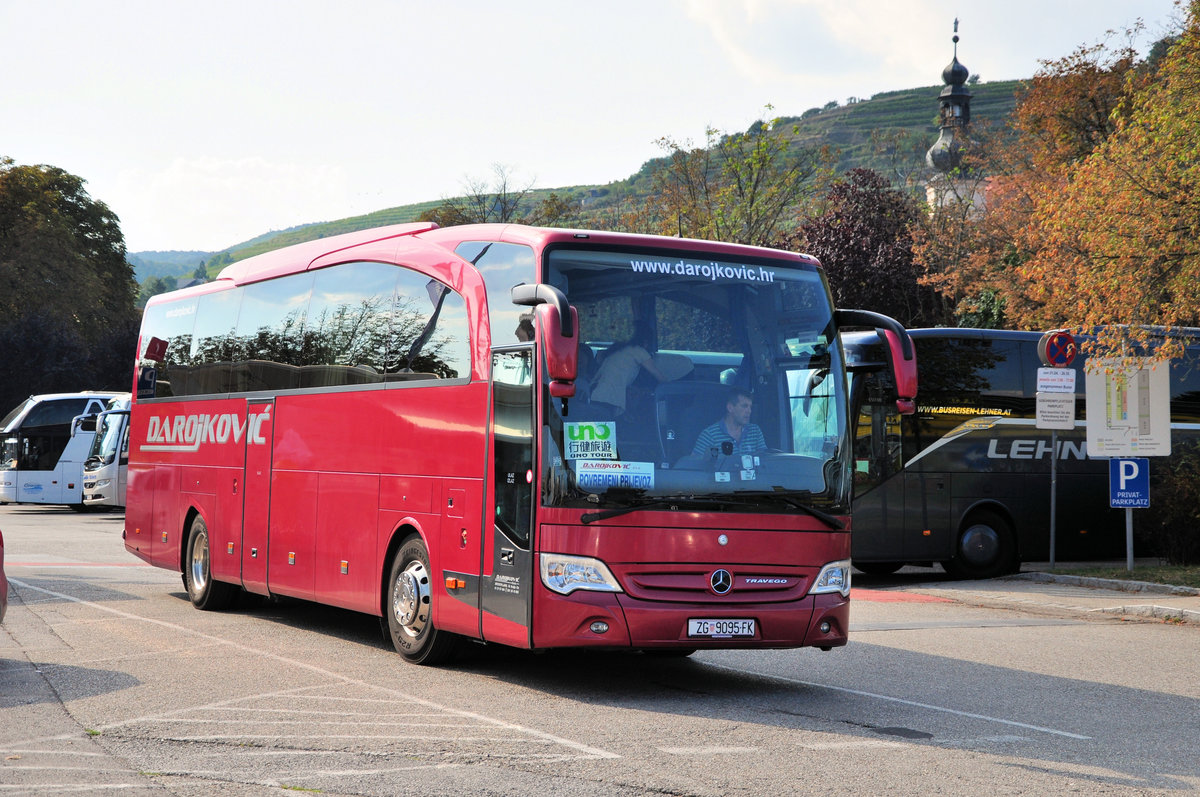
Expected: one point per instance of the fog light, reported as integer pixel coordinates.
(825, 626)
(599, 627)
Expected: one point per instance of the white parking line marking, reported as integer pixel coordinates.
(904, 702)
(502, 724)
(709, 750)
(850, 744)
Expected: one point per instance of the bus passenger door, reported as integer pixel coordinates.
(507, 583)
(878, 515)
(256, 495)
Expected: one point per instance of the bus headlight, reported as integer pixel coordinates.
(102, 483)
(564, 574)
(834, 577)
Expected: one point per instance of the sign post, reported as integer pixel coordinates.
(1055, 406)
(1129, 487)
(1128, 419)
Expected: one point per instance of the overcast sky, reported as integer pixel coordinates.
(204, 124)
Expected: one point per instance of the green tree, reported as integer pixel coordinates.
(153, 286)
(67, 286)
(739, 187)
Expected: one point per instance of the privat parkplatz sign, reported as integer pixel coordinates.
(1129, 483)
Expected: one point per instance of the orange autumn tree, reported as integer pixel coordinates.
(1121, 239)
(972, 254)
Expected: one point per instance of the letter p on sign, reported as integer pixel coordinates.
(1129, 483)
(1129, 472)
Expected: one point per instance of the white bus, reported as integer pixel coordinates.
(108, 460)
(43, 459)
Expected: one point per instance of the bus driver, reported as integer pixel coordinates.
(734, 429)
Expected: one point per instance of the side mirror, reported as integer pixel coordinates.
(901, 353)
(562, 353)
(83, 423)
(904, 371)
(558, 324)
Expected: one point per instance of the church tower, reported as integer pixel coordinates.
(954, 115)
(950, 183)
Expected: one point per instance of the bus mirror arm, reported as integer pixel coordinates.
(541, 293)
(557, 322)
(900, 351)
(865, 318)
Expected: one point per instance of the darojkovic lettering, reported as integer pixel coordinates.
(189, 432)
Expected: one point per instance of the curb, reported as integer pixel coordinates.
(1117, 584)
(1144, 610)
(1164, 613)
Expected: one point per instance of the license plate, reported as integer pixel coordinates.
(719, 629)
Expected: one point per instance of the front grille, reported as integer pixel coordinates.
(692, 584)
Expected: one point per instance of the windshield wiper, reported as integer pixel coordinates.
(650, 502)
(791, 498)
(605, 514)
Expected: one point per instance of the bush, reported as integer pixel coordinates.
(1171, 526)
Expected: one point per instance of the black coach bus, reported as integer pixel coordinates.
(965, 481)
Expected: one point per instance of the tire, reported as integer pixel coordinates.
(204, 591)
(986, 548)
(408, 606)
(878, 568)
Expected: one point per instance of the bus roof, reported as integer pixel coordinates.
(302, 256)
(18, 413)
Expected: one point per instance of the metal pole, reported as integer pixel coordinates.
(1129, 539)
(1053, 492)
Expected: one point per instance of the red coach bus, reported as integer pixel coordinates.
(539, 438)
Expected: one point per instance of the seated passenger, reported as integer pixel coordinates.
(734, 429)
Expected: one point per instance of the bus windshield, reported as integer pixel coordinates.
(107, 441)
(700, 379)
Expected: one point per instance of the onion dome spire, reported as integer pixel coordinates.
(954, 115)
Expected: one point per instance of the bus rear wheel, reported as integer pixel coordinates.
(409, 608)
(986, 548)
(204, 591)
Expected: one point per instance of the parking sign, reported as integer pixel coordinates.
(1129, 483)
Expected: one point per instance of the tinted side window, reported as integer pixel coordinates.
(979, 374)
(1185, 387)
(213, 347)
(51, 413)
(348, 323)
(430, 334)
(502, 266)
(173, 323)
(268, 333)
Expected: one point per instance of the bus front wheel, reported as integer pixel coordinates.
(986, 548)
(409, 608)
(204, 591)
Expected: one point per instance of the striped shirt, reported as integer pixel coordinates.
(711, 438)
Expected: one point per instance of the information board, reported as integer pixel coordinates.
(1128, 408)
